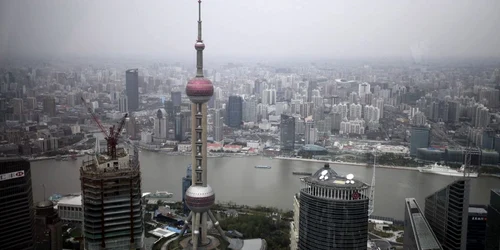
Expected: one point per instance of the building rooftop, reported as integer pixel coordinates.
(328, 177)
(422, 231)
(254, 244)
(75, 200)
(313, 147)
(477, 210)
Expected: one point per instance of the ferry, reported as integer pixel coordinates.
(263, 166)
(160, 195)
(445, 170)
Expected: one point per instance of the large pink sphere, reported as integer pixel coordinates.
(199, 90)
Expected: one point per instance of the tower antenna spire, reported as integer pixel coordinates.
(199, 46)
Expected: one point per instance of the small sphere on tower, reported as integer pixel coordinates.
(199, 45)
(199, 90)
(200, 199)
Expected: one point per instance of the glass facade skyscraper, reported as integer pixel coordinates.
(132, 88)
(16, 204)
(420, 138)
(493, 224)
(333, 212)
(447, 212)
(234, 111)
(287, 132)
(418, 234)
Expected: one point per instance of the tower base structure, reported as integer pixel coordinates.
(214, 241)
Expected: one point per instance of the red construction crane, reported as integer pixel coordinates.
(111, 136)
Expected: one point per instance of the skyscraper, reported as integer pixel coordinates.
(123, 104)
(132, 88)
(493, 224)
(49, 106)
(420, 138)
(447, 212)
(333, 212)
(234, 111)
(200, 196)
(111, 198)
(418, 233)
(161, 125)
(48, 227)
(16, 204)
(476, 227)
(218, 125)
(287, 132)
(176, 98)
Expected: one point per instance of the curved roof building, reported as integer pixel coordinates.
(333, 212)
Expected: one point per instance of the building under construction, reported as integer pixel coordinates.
(111, 198)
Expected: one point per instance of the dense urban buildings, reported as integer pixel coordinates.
(111, 198)
(16, 203)
(48, 227)
(333, 212)
(418, 234)
(132, 88)
(447, 211)
(493, 224)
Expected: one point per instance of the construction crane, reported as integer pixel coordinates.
(112, 135)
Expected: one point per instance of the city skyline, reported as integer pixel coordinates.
(415, 31)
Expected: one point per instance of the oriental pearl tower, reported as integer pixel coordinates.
(200, 197)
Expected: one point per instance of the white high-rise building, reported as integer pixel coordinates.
(363, 90)
(311, 132)
(355, 111)
(250, 111)
(160, 130)
(269, 96)
(218, 125)
(123, 104)
(352, 127)
(371, 113)
(379, 103)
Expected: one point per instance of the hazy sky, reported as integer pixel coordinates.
(266, 29)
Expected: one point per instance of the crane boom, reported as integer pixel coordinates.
(111, 136)
(94, 117)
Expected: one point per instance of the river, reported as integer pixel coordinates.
(236, 180)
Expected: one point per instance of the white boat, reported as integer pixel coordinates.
(160, 195)
(445, 170)
(262, 166)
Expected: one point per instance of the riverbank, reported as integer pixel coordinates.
(343, 163)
